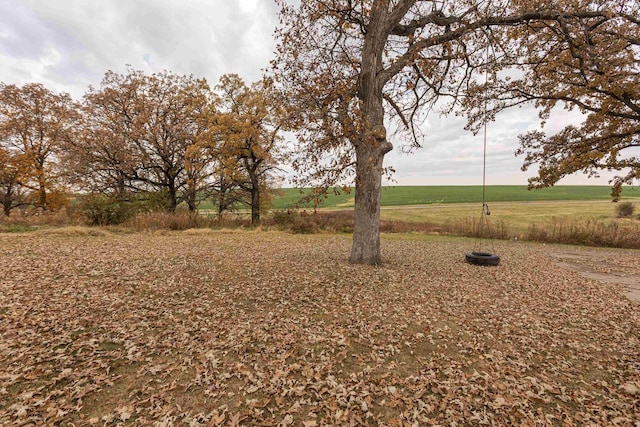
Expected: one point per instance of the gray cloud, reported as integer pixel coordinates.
(68, 45)
(75, 43)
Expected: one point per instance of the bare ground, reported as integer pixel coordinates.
(606, 265)
(257, 328)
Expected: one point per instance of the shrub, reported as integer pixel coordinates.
(304, 225)
(100, 209)
(625, 209)
(282, 218)
(294, 221)
(32, 219)
(151, 221)
(338, 222)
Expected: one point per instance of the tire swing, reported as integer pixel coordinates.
(480, 255)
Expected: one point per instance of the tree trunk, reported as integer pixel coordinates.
(42, 192)
(191, 200)
(255, 208)
(121, 189)
(366, 233)
(221, 204)
(6, 206)
(255, 200)
(370, 147)
(172, 197)
(7, 200)
(370, 154)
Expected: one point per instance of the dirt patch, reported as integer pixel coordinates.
(606, 265)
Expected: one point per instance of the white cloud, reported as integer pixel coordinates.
(248, 5)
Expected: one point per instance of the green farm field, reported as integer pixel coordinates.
(426, 195)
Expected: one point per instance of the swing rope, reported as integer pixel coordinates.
(478, 245)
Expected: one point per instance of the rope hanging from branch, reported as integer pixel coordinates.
(479, 255)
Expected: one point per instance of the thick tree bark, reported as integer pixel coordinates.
(372, 146)
(255, 201)
(172, 196)
(7, 200)
(366, 233)
(221, 206)
(255, 207)
(42, 191)
(191, 200)
(255, 190)
(191, 204)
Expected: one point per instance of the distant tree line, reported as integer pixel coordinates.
(160, 140)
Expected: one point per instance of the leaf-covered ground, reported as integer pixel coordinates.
(264, 328)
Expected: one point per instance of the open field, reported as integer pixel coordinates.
(522, 219)
(514, 209)
(518, 216)
(420, 195)
(266, 328)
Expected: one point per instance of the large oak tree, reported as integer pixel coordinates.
(243, 138)
(137, 135)
(35, 123)
(354, 69)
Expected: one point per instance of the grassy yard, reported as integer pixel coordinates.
(268, 328)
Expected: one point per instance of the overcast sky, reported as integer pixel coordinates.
(69, 44)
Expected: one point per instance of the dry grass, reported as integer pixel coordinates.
(268, 328)
(73, 231)
(35, 220)
(591, 224)
(621, 233)
(617, 234)
(153, 221)
(518, 215)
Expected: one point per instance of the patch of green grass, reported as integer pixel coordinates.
(291, 196)
(17, 228)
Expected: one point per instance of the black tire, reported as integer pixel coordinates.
(482, 258)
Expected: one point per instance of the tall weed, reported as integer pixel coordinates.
(590, 233)
(476, 227)
(153, 221)
(38, 218)
(625, 209)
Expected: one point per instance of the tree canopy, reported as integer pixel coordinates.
(35, 123)
(591, 65)
(244, 134)
(136, 133)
